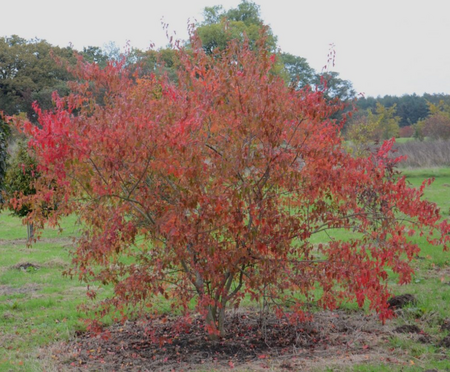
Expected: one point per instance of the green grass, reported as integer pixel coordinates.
(404, 139)
(410, 139)
(430, 285)
(38, 306)
(11, 228)
(439, 192)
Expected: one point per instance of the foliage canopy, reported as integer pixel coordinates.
(20, 176)
(437, 125)
(29, 73)
(4, 135)
(373, 127)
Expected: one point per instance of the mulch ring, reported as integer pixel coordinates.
(336, 337)
(26, 266)
(398, 302)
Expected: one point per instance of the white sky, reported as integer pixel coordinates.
(383, 47)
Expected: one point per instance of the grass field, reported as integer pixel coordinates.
(38, 304)
(404, 139)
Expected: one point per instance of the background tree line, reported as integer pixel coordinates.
(410, 108)
(426, 117)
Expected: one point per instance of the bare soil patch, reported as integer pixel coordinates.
(27, 288)
(67, 241)
(408, 328)
(26, 266)
(332, 338)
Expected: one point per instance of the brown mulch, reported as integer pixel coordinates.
(407, 328)
(445, 342)
(337, 337)
(445, 325)
(412, 329)
(398, 302)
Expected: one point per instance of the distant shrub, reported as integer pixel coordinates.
(19, 181)
(374, 127)
(406, 132)
(437, 126)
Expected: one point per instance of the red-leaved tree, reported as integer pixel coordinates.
(210, 189)
(437, 126)
(406, 132)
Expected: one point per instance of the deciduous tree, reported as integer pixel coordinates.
(28, 73)
(209, 190)
(220, 27)
(373, 127)
(4, 135)
(334, 86)
(20, 177)
(386, 121)
(406, 132)
(299, 73)
(437, 125)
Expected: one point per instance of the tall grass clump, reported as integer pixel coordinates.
(426, 154)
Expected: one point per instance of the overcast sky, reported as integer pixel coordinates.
(383, 47)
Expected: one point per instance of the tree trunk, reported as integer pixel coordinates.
(216, 321)
(30, 232)
(221, 321)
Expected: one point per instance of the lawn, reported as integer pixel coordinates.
(38, 305)
(404, 139)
